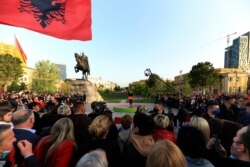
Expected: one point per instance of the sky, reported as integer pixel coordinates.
(167, 36)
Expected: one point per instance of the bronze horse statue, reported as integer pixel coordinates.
(82, 65)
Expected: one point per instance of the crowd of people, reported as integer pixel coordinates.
(55, 131)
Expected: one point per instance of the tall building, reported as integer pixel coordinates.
(62, 71)
(238, 55)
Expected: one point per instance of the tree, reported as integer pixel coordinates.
(139, 88)
(22, 86)
(45, 77)
(14, 86)
(186, 87)
(156, 85)
(117, 88)
(11, 69)
(203, 75)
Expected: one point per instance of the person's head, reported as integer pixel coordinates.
(143, 124)
(158, 108)
(7, 138)
(213, 107)
(99, 127)
(78, 107)
(201, 124)
(95, 158)
(241, 144)
(161, 121)
(62, 130)
(229, 100)
(23, 119)
(34, 106)
(126, 121)
(5, 112)
(164, 153)
(64, 110)
(191, 141)
(248, 106)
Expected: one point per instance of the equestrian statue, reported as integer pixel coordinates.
(82, 65)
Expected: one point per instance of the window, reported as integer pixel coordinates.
(230, 89)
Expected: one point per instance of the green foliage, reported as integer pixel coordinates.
(11, 69)
(23, 86)
(186, 87)
(139, 88)
(14, 86)
(45, 77)
(151, 87)
(202, 75)
(117, 88)
(153, 80)
(157, 85)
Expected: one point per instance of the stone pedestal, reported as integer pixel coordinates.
(85, 87)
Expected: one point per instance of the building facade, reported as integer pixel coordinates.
(12, 50)
(27, 77)
(102, 84)
(234, 81)
(238, 55)
(62, 71)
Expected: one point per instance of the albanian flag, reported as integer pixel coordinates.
(65, 19)
(18, 46)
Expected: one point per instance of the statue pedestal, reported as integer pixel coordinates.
(86, 87)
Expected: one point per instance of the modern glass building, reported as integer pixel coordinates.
(238, 55)
(62, 71)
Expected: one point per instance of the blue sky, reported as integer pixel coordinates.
(129, 36)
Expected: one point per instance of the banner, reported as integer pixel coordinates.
(65, 19)
(18, 46)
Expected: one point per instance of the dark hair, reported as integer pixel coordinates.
(245, 139)
(248, 104)
(212, 103)
(126, 121)
(77, 105)
(32, 104)
(3, 128)
(4, 108)
(191, 141)
(226, 98)
(145, 124)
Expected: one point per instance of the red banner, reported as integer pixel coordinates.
(65, 19)
(18, 46)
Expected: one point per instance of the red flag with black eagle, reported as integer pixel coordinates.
(65, 19)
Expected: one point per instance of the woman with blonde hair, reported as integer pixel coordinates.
(165, 153)
(161, 132)
(98, 131)
(64, 110)
(57, 149)
(201, 124)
